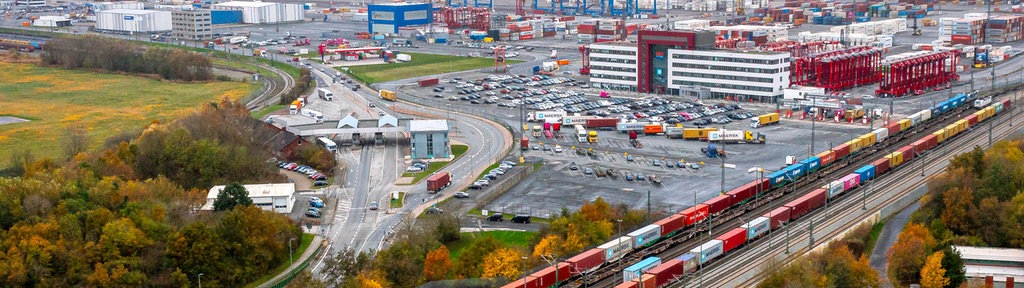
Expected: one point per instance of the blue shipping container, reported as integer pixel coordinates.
(440, 40)
(866, 173)
(225, 17)
(811, 164)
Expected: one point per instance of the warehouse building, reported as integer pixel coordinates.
(279, 198)
(387, 18)
(102, 6)
(133, 21)
(429, 139)
(52, 21)
(220, 17)
(613, 66)
(263, 12)
(30, 3)
(1002, 264)
(734, 75)
(192, 24)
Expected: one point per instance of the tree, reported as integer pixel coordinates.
(346, 264)
(234, 194)
(504, 262)
(907, 255)
(471, 260)
(957, 201)
(438, 264)
(549, 245)
(954, 266)
(597, 210)
(932, 274)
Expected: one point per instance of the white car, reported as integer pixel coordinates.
(558, 149)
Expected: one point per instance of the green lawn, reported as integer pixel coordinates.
(876, 230)
(432, 167)
(262, 113)
(421, 65)
(307, 239)
(397, 203)
(104, 105)
(514, 239)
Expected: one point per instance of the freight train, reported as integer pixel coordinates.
(20, 45)
(591, 260)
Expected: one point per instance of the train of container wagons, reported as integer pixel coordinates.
(656, 272)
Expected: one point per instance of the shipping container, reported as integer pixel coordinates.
(438, 181)
(881, 166)
(757, 227)
(707, 251)
(779, 216)
(671, 224)
(746, 192)
(834, 188)
(895, 159)
(809, 165)
(850, 181)
(732, 239)
(636, 270)
(718, 204)
(428, 82)
(689, 262)
(826, 157)
(926, 143)
(807, 203)
(841, 151)
(527, 282)
(602, 122)
(908, 152)
(866, 172)
(695, 214)
(666, 273)
(613, 250)
(551, 276)
(645, 236)
(586, 262)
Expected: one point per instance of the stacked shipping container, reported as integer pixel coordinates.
(1002, 29)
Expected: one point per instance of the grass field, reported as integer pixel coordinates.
(103, 104)
(457, 150)
(513, 239)
(421, 65)
(397, 203)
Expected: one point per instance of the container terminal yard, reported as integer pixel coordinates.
(739, 120)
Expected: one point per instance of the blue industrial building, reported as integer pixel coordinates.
(219, 17)
(387, 18)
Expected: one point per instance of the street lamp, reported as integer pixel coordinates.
(291, 256)
(524, 271)
(200, 276)
(618, 223)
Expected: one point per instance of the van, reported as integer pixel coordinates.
(496, 217)
(525, 219)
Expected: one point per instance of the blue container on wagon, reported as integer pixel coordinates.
(866, 173)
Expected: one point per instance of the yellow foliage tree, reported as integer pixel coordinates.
(933, 275)
(597, 210)
(957, 201)
(549, 245)
(907, 255)
(437, 265)
(504, 262)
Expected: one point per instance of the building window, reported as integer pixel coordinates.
(611, 60)
(430, 144)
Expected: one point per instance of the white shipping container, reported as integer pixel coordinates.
(123, 20)
(756, 227)
(881, 134)
(646, 235)
(707, 251)
(613, 250)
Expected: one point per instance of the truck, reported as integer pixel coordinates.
(524, 143)
(437, 182)
(713, 151)
(629, 127)
(403, 58)
(554, 53)
(697, 133)
(325, 94)
(387, 95)
(674, 132)
(592, 136)
(328, 144)
(259, 52)
(541, 116)
(316, 115)
(736, 136)
(428, 82)
(237, 39)
(653, 129)
(294, 108)
(596, 123)
(764, 120)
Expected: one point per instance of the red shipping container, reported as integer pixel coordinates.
(586, 261)
(807, 203)
(778, 216)
(972, 119)
(666, 272)
(747, 191)
(732, 239)
(695, 214)
(841, 151)
(671, 224)
(718, 204)
(546, 276)
(648, 281)
(926, 143)
(630, 284)
(428, 82)
(894, 128)
(881, 166)
(1006, 104)
(827, 157)
(530, 282)
(908, 152)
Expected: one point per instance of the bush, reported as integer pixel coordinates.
(122, 56)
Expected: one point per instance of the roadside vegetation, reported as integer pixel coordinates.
(420, 65)
(843, 263)
(434, 166)
(976, 202)
(116, 55)
(125, 215)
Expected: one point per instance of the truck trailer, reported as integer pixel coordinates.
(764, 120)
(387, 95)
(437, 182)
(736, 136)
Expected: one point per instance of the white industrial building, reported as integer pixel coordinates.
(130, 21)
(279, 198)
(263, 12)
(613, 66)
(30, 3)
(741, 75)
(51, 21)
(1002, 264)
(130, 5)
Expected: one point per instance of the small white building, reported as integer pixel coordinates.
(263, 12)
(613, 66)
(278, 197)
(128, 21)
(52, 21)
(429, 139)
(742, 75)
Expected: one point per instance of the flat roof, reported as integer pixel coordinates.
(259, 190)
(132, 11)
(998, 274)
(991, 254)
(245, 4)
(397, 4)
(616, 44)
(428, 125)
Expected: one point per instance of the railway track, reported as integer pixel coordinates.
(683, 242)
(723, 274)
(268, 97)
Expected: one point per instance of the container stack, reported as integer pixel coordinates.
(968, 31)
(608, 30)
(946, 29)
(758, 34)
(585, 31)
(693, 24)
(1004, 28)
(884, 27)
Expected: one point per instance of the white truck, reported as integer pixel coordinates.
(327, 143)
(541, 116)
(403, 58)
(316, 115)
(237, 39)
(325, 94)
(736, 136)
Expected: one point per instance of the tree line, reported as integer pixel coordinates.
(111, 54)
(126, 215)
(977, 201)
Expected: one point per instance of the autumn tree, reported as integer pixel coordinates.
(437, 265)
(549, 245)
(471, 259)
(907, 255)
(596, 211)
(232, 195)
(957, 202)
(932, 274)
(346, 264)
(504, 262)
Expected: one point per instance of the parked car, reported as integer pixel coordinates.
(496, 217)
(574, 166)
(461, 195)
(319, 183)
(524, 219)
(434, 210)
(374, 205)
(312, 214)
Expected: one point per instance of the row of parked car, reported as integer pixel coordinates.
(315, 205)
(319, 179)
(485, 181)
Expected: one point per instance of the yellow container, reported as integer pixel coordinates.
(904, 124)
(895, 159)
(940, 135)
